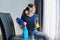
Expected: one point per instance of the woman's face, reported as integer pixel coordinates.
(33, 9)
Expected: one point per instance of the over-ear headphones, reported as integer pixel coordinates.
(26, 12)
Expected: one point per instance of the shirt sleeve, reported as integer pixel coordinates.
(22, 18)
(37, 20)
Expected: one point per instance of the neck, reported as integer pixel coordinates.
(30, 14)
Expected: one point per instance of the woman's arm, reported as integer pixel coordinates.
(22, 18)
(37, 22)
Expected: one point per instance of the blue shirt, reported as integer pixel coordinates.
(31, 21)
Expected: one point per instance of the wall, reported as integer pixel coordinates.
(15, 7)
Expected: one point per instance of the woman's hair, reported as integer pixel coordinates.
(26, 10)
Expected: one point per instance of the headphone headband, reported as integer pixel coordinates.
(29, 8)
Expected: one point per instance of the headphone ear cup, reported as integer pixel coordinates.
(26, 12)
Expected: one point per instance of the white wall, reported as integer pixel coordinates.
(15, 7)
(49, 20)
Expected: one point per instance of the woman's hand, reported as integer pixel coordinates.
(25, 23)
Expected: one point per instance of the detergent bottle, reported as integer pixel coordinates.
(37, 25)
(25, 31)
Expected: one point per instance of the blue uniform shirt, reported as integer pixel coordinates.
(31, 21)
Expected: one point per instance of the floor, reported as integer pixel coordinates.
(0, 37)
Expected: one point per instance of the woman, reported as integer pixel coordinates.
(31, 18)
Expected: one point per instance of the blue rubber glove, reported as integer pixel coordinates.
(19, 21)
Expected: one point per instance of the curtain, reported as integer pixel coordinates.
(39, 11)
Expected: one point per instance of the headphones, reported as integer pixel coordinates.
(26, 12)
(30, 8)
